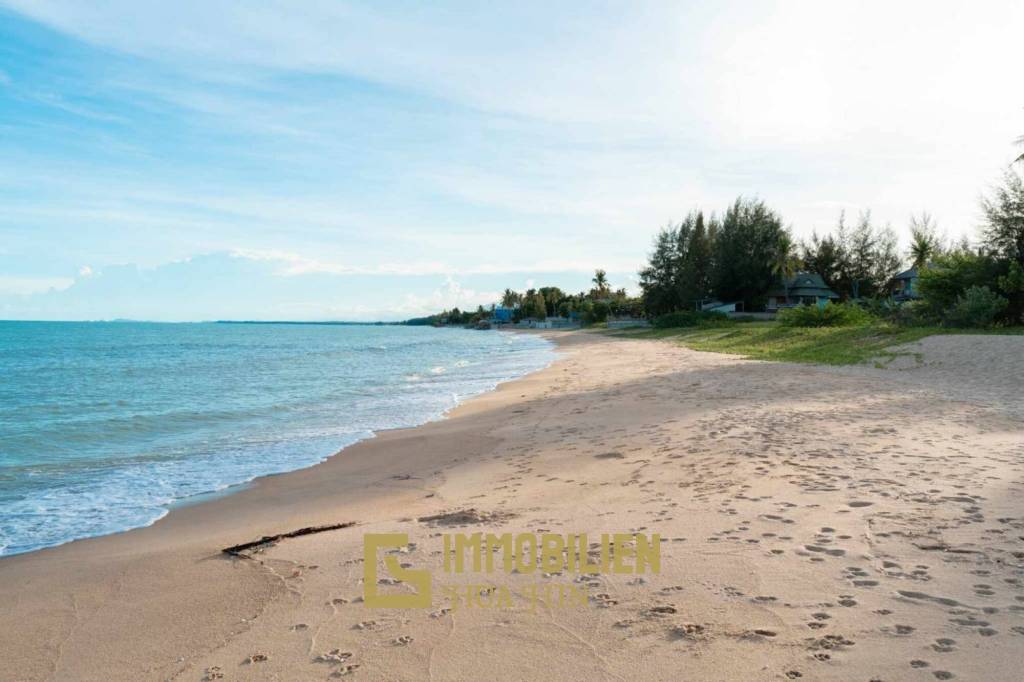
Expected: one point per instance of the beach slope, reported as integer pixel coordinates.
(823, 523)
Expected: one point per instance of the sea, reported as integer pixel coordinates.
(105, 426)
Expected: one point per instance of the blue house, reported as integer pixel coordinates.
(904, 286)
(806, 288)
(502, 315)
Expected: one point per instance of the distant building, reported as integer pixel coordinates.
(904, 286)
(502, 315)
(557, 322)
(805, 288)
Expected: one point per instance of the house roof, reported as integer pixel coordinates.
(907, 274)
(804, 284)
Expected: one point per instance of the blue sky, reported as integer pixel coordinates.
(332, 160)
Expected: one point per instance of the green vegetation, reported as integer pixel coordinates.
(690, 318)
(453, 316)
(828, 315)
(589, 307)
(976, 307)
(741, 256)
(772, 341)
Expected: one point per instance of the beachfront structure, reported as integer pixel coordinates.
(904, 286)
(502, 315)
(553, 322)
(805, 288)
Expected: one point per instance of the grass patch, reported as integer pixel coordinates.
(823, 345)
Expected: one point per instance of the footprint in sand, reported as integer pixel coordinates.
(685, 630)
(333, 656)
(658, 611)
(347, 670)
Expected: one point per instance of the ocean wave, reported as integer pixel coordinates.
(170, 416)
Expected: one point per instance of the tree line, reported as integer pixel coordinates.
(747, 250)
(742, 254)
(541, 303)
(590, 306)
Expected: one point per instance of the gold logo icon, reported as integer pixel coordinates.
(419, 579)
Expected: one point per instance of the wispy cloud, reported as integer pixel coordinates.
(264, 285)
(351, 139)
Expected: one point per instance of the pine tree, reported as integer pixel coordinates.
(657, 280)
(695, 263)
(745, 246)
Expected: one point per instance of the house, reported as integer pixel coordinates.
(904, 286)
(502, 315)
(559, 322)
(805, 288)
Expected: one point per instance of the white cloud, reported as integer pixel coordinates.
(526, 137)
(291, 264)
(451, 295)
(85, 271)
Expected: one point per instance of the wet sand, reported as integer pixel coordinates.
(817, 523)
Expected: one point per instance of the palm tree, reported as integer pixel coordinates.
(601, 283)
(510, 298)
(785, 261)
(924, 244)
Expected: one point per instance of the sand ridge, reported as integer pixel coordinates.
(817, 523)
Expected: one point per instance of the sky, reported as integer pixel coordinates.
(336, 160)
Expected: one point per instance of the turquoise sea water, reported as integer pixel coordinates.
(103, 425)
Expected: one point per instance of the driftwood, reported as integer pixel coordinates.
(236, 550)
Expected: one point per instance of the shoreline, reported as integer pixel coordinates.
(211, 496)
(793, 534)
(255, 486)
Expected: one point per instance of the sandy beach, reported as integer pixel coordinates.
(817, 523)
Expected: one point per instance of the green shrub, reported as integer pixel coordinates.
(976, 307)
(690, 318)
(913, 314)
(595, 312)
(943, 282)
(829, 315)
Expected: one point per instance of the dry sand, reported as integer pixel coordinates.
(818, 523)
